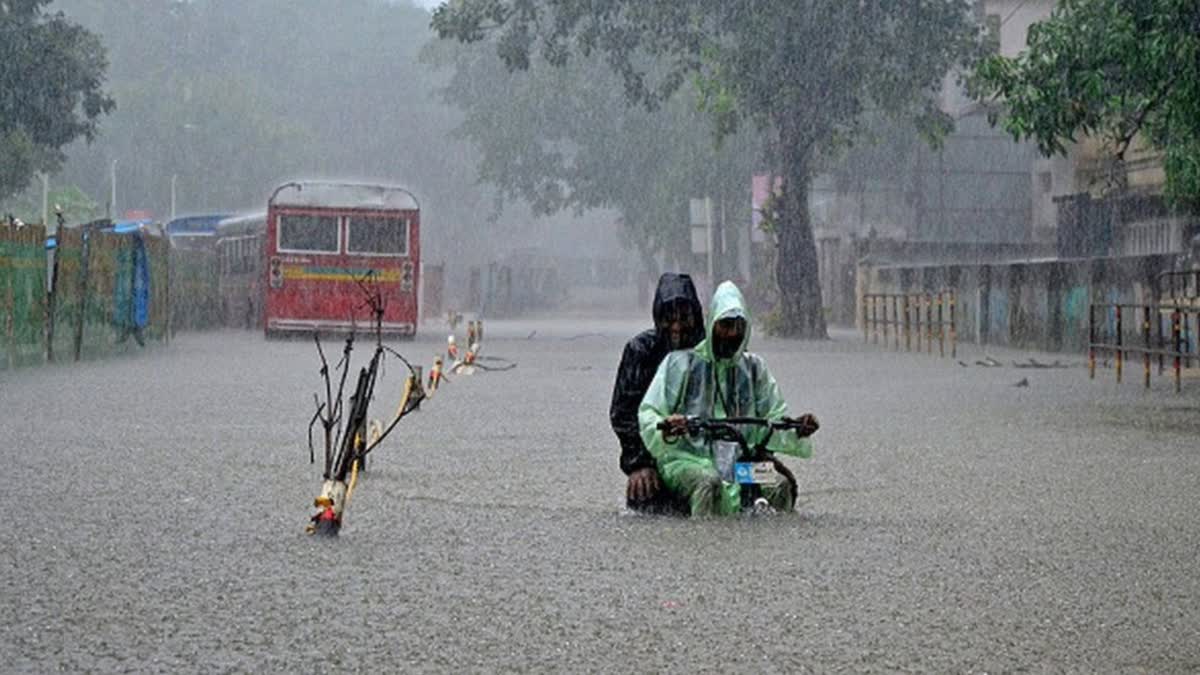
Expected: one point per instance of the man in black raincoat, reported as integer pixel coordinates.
(678, 324)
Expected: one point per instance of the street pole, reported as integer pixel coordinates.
(173, 178)
(744, 244)
(708, 211)
(112, 198)
(45, 199)
(46, 223)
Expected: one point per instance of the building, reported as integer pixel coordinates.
(1083, 201)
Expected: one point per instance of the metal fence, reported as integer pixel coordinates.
(917, 318)
(1153, 332)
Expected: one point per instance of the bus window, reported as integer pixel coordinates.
(312, 234)
(378, 236)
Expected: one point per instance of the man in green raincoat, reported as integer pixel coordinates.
(717, 379)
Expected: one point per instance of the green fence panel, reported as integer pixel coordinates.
(158, 253)
(68, 293)
(92, 297)
(194, 300)
(100, 332)
(22, 295)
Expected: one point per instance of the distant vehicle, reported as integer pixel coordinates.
(326, 242)
(144, 226)
(197, 231)
(239, 246)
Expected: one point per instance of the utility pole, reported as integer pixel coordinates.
(50, 254)
(708, 213)
(744, 234)
(112, 197)
(700, 217)
(174, 176)
(45, 199)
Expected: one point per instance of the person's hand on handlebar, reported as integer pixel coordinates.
(676, 425)
(806, 425)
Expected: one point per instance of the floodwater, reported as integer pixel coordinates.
(948, 520)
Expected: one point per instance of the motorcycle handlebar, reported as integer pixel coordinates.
(701, 423)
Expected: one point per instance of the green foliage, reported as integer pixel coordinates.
(218, 134)
(769, 222)
(803, 71)
(819, 60)
(563, 138)
(77, 206)
(233, 97)
(1111, 69)
(51, 76)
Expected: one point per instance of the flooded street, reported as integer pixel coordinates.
(948, 520)
(1021, 174)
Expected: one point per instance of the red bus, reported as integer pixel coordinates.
(324, 240)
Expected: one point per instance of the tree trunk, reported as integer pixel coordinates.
(796, 272)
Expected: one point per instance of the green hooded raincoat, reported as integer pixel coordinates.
(695, 382)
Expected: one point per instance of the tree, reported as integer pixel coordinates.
(235, 97)
(218, 134)
(800, 70)
(51, 77)
(563, 138)
(1112, 69)
(76, 205)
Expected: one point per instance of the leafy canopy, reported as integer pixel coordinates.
(818, 61)
(1111, 69)
(564, 138)
(803, 71)
(233, 97)
(51, 77)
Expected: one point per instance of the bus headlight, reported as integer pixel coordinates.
(275, 274)
(406, 276)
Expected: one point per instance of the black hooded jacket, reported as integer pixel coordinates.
(640, 361)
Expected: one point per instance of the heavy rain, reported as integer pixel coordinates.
(384, 335)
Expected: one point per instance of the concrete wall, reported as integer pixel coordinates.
(1026, 305)
(841, 262)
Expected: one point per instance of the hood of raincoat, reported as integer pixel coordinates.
(673, 287)
(727, 303)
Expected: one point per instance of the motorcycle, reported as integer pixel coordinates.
(751, 467)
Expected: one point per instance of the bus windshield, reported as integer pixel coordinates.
(308, 233)
(378, 235)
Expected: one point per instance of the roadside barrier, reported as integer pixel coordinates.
(1162, 331)
(914, 317)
